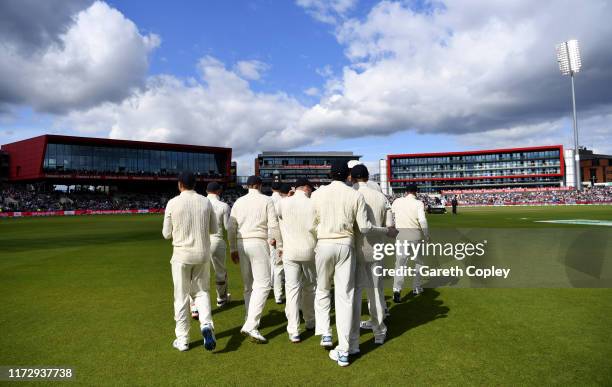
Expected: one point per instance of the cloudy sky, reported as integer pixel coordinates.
(371, 77)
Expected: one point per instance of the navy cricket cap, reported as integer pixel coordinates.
(412, 188)
(360, 171)
(276, 185)
(339, 170)
(213, 186)
(301, 182)
(187, 178)
(254, 180)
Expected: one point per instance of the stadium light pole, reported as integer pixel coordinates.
(568, 57)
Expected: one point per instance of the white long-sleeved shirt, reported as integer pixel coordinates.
(338, 208)
(189, 220)
(276, 196)
(371, 184)
(297, 224)
(222, 213)
(253, 216)
(409, 214)
(379, 214)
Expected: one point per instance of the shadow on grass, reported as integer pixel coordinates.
(270, 318)
(230, 305)
(410, 313)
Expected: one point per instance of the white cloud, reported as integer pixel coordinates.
(99, 56)
(312, 91)
(484, 72)
(327, 11)
(325, 71)
(465, 67)
(251, 69)
(219, 109)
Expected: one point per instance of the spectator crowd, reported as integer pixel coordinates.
(27, 198)
(588, 195)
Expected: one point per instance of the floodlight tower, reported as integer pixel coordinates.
(568, 56)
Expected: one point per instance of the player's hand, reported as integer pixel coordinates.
(279, 257)
(392, 232)
(235, 257)
(273, 242)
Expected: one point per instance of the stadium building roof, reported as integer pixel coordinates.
(86, 160)
(308, 154)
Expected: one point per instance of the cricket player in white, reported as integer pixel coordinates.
(409, 214)
(217, 242)
(372, 184)
(276, 263)
(338, 208)
(297, 223)
(252, 220)
(379, 214)
(189, 220)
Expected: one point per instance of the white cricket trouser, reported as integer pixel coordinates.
(337, 262)
(378, 290)
(194, 281)
(277, 270)
(255, 269)
(218, 248)
(365, 279)
(402, 260)
(300, 286)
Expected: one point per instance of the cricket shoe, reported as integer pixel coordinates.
(367, 325)
(280, 301)
(295, 338)
(327, 342)
(254, 336)
(210, 342)
(397, 297)
(417, 290)
(380, 339)
(222, 302)
(342, 358)
(180, 346)
(387, 313)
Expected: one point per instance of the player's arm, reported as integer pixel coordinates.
(232, 234)
(167, 227)
(423, 221)
(213, 227)
(273, 228)
(226, 218)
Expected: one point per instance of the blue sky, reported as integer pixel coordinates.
(373, 77)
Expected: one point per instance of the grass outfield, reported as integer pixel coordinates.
(95, 293)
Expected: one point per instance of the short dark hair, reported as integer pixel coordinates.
(412, 188)
(187, 179)
(276, 186)
(360, 171)
(285, 188)
(253, 180)
(301, 182)
(213, 186)
(339, 170)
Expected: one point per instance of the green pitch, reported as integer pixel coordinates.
(95, 293)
